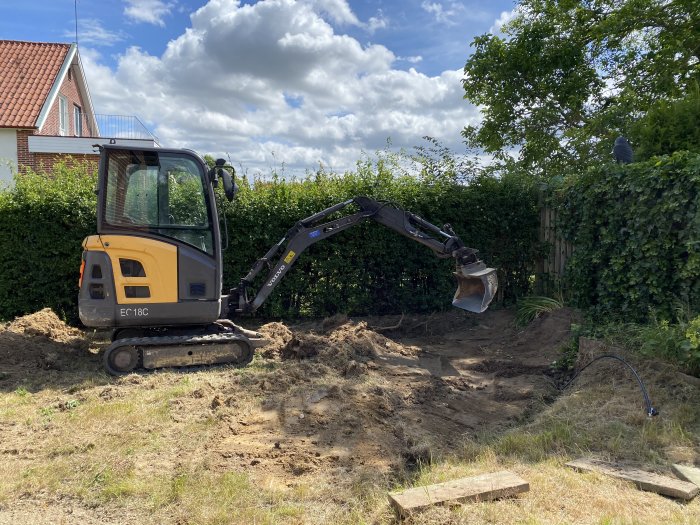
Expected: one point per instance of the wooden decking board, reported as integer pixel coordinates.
(687, 473)
(477, 488)
(644, 480)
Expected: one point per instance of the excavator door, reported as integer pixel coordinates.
(156, 258)
(476, 287)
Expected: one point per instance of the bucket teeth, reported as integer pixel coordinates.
(476, 287)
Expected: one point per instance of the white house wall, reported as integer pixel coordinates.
(8, 155)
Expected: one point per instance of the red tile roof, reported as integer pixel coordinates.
(27, 72)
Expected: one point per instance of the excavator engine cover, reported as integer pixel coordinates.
(476, 287)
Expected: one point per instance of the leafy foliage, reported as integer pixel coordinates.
(367, 269)
(668, 127)
(532, 306)
(635, 229)
(43, 221)
(676, 339)
(567, 77)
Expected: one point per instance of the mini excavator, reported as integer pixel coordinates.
(153, 272)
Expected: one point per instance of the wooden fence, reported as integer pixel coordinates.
(551, 268)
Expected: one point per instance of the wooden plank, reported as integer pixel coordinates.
(642, 479)
(477, 488)
(687, 473)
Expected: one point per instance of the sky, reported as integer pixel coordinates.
(284, 85)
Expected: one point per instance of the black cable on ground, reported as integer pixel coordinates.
(651, 411)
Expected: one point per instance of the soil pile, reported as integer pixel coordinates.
(343, 396)
(40, 340)
(341, 344)
(45, 323)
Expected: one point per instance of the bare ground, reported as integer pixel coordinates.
(326, 405)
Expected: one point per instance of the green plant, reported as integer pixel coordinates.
(531, 307)
(43, 221)
(635, 229)
(569, 352)
(22, 392)
(71, 404)
(691, 345)
(365, 270)
(676, 340)
(668, 126)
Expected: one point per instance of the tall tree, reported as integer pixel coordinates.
(567, 76)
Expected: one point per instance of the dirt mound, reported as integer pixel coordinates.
(45, 322)
(40, 340)
(339, 343)
(278, 335)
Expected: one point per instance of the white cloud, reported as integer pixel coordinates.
(274, 82)
(452, 13)
(506, 16)
(92, 32)
(411, 60)
(338, 11)
(443, 14)
(148, 11)
(377, 22)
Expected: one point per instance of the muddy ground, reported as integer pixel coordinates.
(322, 400)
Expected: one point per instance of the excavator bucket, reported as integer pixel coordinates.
(476, 287)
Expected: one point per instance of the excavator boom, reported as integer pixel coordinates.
(476, 283)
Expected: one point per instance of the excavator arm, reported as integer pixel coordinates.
(477, 284)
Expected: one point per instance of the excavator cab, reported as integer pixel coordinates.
(156, 258)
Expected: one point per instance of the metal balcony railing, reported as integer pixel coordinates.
(123, 127)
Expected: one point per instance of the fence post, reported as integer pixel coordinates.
(550, 269)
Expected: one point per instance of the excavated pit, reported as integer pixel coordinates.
(322, 399)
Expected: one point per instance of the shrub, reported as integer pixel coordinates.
(635, 229)
(668, 126)
(365, 270)
(370, 269)
(43, 220)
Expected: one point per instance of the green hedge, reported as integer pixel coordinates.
(636, 232)
(43, 221)
(370, 269)
(365, 270)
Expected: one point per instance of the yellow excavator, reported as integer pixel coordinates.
(153, 272)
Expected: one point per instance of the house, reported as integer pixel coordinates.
(46, 112)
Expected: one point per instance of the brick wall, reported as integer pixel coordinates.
(24, 158)
(46, 161)
(69, 89)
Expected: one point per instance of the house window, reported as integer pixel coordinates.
(62, 115)
(77, 121)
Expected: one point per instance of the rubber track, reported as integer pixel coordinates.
(178, 340)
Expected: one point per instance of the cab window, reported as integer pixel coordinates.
(162, 193)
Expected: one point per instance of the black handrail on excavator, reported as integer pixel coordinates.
(476, 283)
